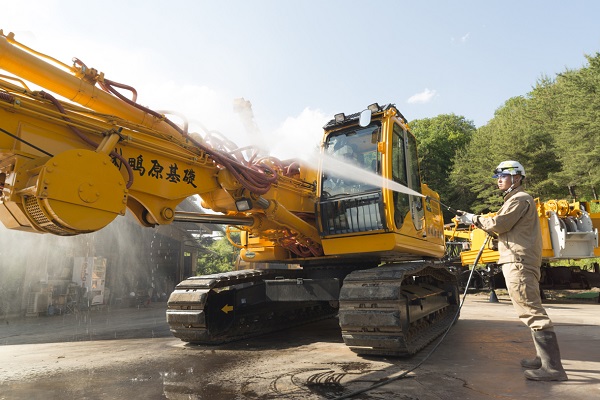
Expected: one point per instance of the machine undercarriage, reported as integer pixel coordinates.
(392, 310)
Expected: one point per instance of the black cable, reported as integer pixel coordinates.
(26, 142)
(402, 375)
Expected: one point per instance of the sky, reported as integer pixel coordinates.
(300, 62)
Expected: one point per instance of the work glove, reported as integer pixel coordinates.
(465, 217)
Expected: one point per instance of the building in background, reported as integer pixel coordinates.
(44, 273)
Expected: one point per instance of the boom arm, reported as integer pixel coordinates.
(68, 169)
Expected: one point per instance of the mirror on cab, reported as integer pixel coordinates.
(365, 118)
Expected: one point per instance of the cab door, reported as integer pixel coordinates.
(405, 171)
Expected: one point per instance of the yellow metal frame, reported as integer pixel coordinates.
(563, 208)
(166, 167)
(405, 242)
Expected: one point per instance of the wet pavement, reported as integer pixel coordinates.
(129, 354)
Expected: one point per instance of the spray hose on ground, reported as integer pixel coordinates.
(393, 378)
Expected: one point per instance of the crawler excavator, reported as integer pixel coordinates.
(82, 151)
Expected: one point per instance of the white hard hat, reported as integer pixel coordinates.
(509, 168)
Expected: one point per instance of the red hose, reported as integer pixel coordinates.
(7, 97)
(256, 178)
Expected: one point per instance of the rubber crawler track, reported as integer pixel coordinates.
(221, 308)
(397, 310)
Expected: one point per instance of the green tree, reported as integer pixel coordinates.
(578, 135)
(554, 131)
(439, 140)
(543, 109)
(218, 255)
(515, 133)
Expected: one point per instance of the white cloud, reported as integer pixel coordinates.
(462, 40)
(299, 137)
(423, 97)
(296, 137)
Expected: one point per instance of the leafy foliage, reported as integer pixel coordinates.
(579, 129)
(439, 140)
(554, 131)
(218, 255)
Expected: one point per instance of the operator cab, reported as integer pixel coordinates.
(368, 159)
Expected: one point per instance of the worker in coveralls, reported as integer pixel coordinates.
(520, 246)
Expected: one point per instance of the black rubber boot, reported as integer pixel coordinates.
(532, 363)
(547, 348)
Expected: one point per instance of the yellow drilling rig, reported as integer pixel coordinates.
(82, 151)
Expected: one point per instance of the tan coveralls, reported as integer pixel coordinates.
(520, 246)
